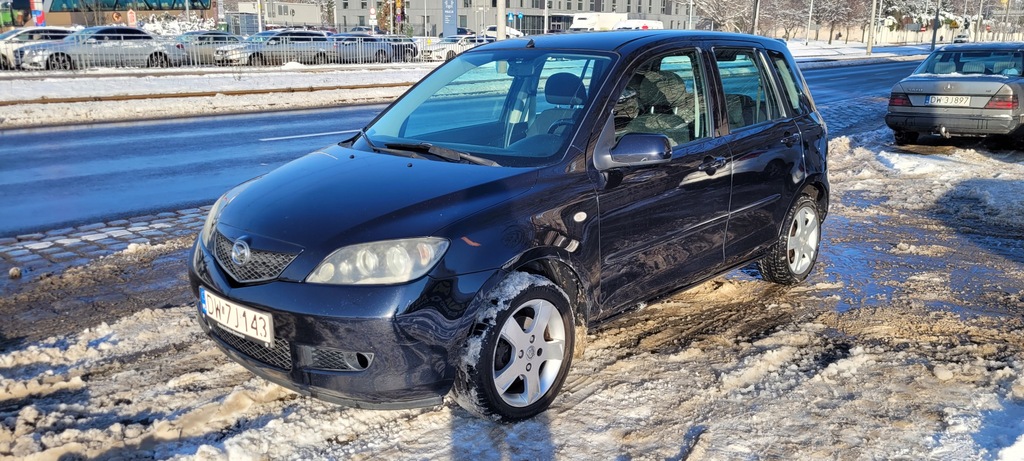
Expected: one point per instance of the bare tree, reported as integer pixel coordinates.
(727, 15)
(831, 12)
(783, 14)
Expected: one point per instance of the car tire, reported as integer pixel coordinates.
(790, 259)
(520, 351)
(5, 64)
(450, 56)
(257, 60)
(320, 58)
(409, 55)
(380, 56)
(159, 60)
(60, 62)
(903, 138)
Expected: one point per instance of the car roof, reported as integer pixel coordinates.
(986, 46)
(626, 41)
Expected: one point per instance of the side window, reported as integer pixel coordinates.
(791, 83)
(749, 95)
(665, 95)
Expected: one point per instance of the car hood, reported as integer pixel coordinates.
(44, 46)
(338, 196)
(239, 46)
(441, 46)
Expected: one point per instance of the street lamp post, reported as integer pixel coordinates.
(871, 28)
(807, 33)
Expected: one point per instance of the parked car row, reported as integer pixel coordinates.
(46, 48)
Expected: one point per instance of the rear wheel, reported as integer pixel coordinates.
(518, 357)
(320, 58)
(408, 55)
(451, 55)
(257, 60)
(159, 60)
(4, 63)
(792, 257)
(903, 138)
(380, 56)
(60, 62)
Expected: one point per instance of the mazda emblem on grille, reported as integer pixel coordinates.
(240, 253)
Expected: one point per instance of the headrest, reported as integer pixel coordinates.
(661, 88)
(565, 89)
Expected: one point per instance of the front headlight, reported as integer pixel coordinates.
(380, 263)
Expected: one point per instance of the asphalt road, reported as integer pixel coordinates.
(57, 177)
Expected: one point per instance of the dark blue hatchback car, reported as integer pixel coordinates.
(466, 239)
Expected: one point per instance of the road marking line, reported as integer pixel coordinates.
(312, 135)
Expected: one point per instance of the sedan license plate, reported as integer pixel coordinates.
(237, 318)
(944, 100)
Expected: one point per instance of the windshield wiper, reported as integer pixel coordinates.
(380, 150)
(445, 153)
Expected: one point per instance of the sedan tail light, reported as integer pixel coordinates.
(1003, 101)
(179, 46)
(899, 99)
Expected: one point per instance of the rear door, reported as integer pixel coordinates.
(766, 149)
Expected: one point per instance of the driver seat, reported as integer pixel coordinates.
(567, 93)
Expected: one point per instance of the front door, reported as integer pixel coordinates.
(663, 226)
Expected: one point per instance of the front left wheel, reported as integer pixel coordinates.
(519, 355)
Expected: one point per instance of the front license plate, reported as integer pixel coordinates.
(237, 318)
(943, 100)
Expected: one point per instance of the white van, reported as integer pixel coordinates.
(641, 24)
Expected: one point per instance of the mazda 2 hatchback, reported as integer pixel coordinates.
(468, 237)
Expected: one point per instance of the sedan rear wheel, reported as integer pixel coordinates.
(518, 358)
(791, 258)
(60, 62)
(159, 60)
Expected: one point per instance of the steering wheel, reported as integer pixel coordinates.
(560, 123)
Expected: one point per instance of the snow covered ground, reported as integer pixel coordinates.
(907, 342)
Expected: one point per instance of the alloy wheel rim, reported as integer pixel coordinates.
(529, 353)
(802, 244)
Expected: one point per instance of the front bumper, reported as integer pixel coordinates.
(31, 62)
(382, 347)
(954, 124)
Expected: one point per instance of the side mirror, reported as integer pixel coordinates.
(641, 149)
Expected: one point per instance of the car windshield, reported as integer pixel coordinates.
(973, 62)
(80, 35)
(261, 37)
(188, 37)
(9, 34)
(487, 104)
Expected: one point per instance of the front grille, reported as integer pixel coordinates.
(279, 356)
(261, 267)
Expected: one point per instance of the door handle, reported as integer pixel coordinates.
(790, 139)
(711, 165)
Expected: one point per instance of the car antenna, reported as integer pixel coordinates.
(530, 44)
